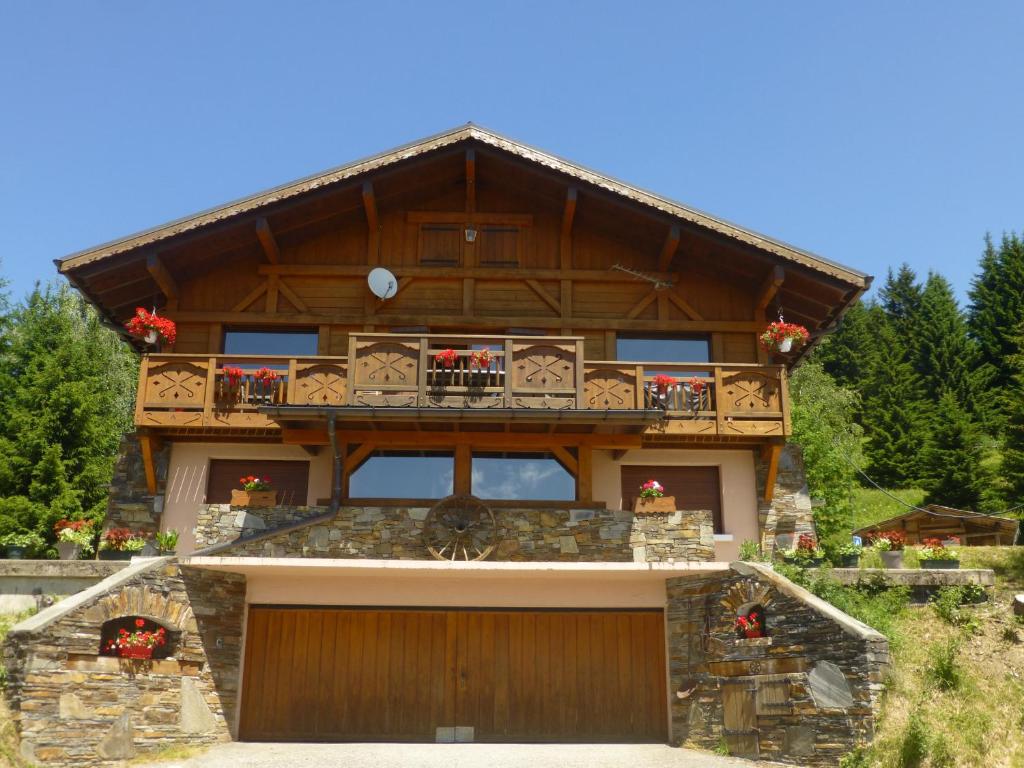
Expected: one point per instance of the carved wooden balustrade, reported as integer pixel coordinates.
(480, 372)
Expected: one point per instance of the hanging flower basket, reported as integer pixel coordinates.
(151, 328)
(781, 336)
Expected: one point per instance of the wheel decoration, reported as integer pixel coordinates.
(460, 528)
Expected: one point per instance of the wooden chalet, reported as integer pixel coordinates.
(937, 522)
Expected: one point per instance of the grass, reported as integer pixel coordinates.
(173, 752)
(871, 506)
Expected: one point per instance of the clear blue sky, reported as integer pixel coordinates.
(871, 133)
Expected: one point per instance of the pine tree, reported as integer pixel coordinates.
(997, 306)
(901, 297)
(951, 462)
(847, 354)
(893, 417)
(1012, 465)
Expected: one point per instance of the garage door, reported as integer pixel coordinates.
(333, 674)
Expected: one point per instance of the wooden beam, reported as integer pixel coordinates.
(372, 224)
(268, 241)
(771, 454)
(585, 475)
(566, 460)
(462, 483)
(251, 296)
(164, 279)
(506, 440)
(684, 305)
(546, 297)
(293, 297)
(668, 250)
(568, 214)
(470, 183)
(273, 288)
(644, 303)
(146, 444)
(770, 287)
(355, 457)
(456, 273)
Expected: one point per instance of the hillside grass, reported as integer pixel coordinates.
(10, 754)
(871, 506)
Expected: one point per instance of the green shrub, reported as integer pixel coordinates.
(943, 670)
(913, 747)
(948, 604)
(750, 552)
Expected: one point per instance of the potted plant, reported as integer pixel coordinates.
(781, 336)
(749, 625)
(446, 358)
(150, 327)
(663, 383)
(255, 492)
(74, 538)
(21, 543)
(849, 554)
(233, 376)
(480, 359)
(120, 544)
(807, 553)
(697, 386)
(138, 644)
(166, 541)
(652, 500)
(889, 545)
(936, 554)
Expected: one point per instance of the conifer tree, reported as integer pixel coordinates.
(1012, 465)
(900, 298)
(893, 417)
(951, 462)
(847, 354)
(997, 306)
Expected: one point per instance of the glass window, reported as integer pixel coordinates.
(526, 476)
(664, 349)
(404, 475)
(298, 343)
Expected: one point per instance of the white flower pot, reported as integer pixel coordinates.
(150, 338)
(786, 344)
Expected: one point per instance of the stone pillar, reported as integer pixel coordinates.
(789, 513)
(683, 536)
(129, 504)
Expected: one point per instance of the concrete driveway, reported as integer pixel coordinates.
(250, 755)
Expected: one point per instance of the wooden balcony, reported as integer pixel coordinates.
(394, 375)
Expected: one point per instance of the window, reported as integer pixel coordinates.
(441, 244)
(404, 475)
(522, 476)
(694, 487)
(664, 349)
(497, 246)
(296, 343)
(289, 478)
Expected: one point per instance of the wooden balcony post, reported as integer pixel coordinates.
(579, 374)
(463, 482)
(585, 477)
(507, 366)
(641, 391)
(719, 402)
(211, 391)
(421, 371)
(293, 365)
(352, 367)
(140, 395)
(787, 424)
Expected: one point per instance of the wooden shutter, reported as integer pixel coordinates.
(289, 478)
(441, 244)
(498, 246)
(693, 487)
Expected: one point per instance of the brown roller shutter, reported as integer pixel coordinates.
(693, 487)
(289, 478)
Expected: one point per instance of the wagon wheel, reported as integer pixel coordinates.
(460, 528)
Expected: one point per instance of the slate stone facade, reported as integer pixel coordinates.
(130, 504)
(524, 534)
(805, 694)
(75, 707)
(789, 513)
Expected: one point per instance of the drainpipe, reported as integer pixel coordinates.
(332, 434)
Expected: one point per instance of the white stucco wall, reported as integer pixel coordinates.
(736, 472)
(187, 476)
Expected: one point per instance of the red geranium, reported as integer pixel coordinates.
(663, 382)
(265, 376)
(254, 483)
(446, 358)
(143, 322)
(480, 358)
(232, 374)
(777, 332)
(749, 625)
(696, 385)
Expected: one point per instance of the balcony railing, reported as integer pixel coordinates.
(480, 372)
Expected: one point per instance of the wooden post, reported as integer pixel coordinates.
(787, 422)
(463, 483)
(579, 373)
(140, 395)
(211, 391)
(507, 367)
(771, 454)
(146, 443)
(719, 400)
(585, 478)
(292, 374)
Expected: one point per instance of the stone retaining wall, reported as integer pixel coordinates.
(129, 502)
(73, 707)
(789, 513)
(26, 584)
(524, 534)
(806, 694)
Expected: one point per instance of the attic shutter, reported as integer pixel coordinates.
(441, 244)
(498, 246)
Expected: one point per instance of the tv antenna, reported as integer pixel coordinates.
(659, 284)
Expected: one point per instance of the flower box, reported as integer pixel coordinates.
(15, 552)
(655, 505)
(136, 652)
(115, 554)
(241, 498)
(849, 561)
(941, 565)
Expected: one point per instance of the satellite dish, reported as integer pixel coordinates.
(382, 283)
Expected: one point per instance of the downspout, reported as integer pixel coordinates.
(332, 435)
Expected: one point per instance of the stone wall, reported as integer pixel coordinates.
(523, 534)
(26, 584)
(805, 694)
(73, 707)
(218, 523)
(130, 504)
(789, 513)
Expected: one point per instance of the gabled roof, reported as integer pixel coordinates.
(857, 280)
(939, 512)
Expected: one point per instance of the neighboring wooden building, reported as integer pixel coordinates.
(972, 528)
(583, 289)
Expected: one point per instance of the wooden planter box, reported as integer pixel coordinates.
(253, 498)
(661, 505)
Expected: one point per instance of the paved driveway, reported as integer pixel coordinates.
(249, 755)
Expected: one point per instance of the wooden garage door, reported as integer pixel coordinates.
(289, 478)
(693, 487)
(336, 674)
